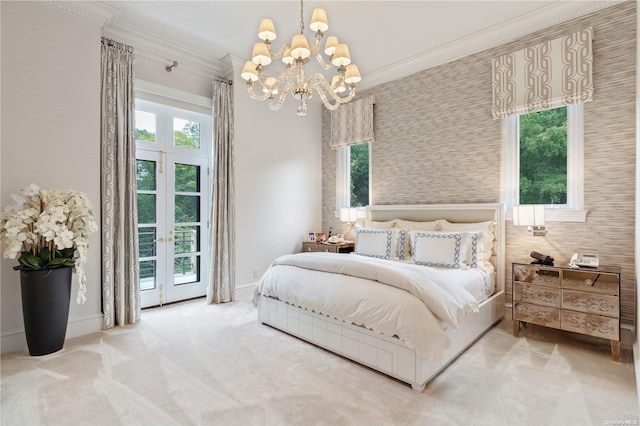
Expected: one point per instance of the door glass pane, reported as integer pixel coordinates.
(186, 269)
(146, 242)
(147, 275)
(146, 175)
(186, 133)
(187, 239)
(146, 208)
(187, 208)
(145, 126)
(187, 178)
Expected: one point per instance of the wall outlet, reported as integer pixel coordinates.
(256, 273)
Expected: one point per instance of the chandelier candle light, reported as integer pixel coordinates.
(296, 56)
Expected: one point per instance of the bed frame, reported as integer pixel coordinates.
(387, 354)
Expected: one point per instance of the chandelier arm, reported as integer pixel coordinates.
(316, 52)
(283, 95)
(253, 94)
(280, 52)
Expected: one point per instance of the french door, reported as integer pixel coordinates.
(172, 226)
(173, 155)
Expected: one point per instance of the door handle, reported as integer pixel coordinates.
(170, 239)
(159, 240)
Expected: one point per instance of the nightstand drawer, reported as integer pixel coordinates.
(328, 248)
(536, 294)
(309, 246)
(541, 315)
(590, 303)
(536, 275)
(593, 325)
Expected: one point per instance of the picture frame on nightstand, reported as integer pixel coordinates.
(311, 237)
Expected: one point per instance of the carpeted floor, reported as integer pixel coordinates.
(192, 364)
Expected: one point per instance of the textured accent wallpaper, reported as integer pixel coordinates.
(436, 142)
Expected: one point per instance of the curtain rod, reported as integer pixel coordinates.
(223, 80)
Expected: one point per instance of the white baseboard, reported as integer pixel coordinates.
(245, 291)
(17, 341)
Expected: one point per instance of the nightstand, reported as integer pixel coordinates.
(585, 300)
(346, 247)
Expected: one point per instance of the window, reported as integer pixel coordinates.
(353, 177)
(542, 162)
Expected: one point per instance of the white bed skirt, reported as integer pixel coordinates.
(385, 354)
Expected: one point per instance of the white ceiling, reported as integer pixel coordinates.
(382, 35)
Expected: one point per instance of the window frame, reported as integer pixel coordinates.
(574, 210)
(343, 177)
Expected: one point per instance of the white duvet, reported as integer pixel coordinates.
(413, 302)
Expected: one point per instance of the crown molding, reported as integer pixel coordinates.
(546, 17)
(163, 51)
(96, 12)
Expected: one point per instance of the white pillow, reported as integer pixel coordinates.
(488, 227)
(479, 249)
(374, 224)
(419, 226)
(444, 249)
(380, 243)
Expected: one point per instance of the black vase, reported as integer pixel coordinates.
(45, 308)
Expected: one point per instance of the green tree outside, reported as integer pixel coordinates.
(360, 175)
(543, 157)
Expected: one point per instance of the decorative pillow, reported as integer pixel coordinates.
(380, 243)
(409, 225)
(444, 249)
(479, 249)
(484, 248)
(374, 224)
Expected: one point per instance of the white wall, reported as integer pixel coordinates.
(50, 134)
(278, 160)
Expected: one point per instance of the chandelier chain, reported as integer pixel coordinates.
(301, 17)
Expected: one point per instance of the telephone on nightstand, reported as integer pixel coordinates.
(336, 239)
(589, 260)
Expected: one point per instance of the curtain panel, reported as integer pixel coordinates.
(545, 76)
(221, 286)
(352, 123)
(120, 278)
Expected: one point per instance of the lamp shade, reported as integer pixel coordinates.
(300, 47)
(267, 30)
(330, 45)
(319, 20)
(249, 72)
(341, 56)
(261, 54)
(528, 215)
(352, 75)
(286, 56)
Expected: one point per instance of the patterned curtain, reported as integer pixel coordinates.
(545, 76)
(352, 123)
(222, 219)
(120, 281)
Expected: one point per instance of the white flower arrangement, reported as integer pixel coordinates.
(47, 229)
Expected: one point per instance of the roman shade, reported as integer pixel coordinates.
(544, 76)
(352, 123)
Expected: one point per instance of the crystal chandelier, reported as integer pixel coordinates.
(296, 56)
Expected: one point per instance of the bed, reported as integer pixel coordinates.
(425, 321)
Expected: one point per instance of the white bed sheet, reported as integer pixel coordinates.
(383, 308)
